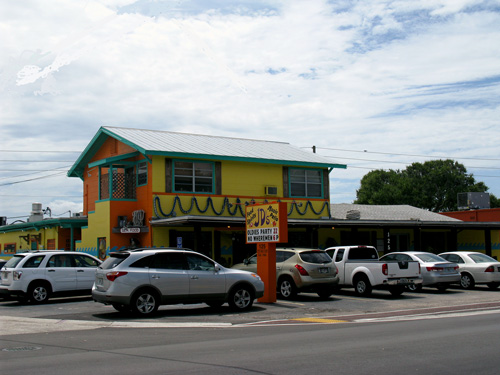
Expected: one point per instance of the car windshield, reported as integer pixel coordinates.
(315, 257)
(13, 262)
(481, 258)
(430, 258)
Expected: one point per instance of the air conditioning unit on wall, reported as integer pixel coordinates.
(271, 190)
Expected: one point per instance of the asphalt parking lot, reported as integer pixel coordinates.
(344, 306)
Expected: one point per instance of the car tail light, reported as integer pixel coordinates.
(16, 275)
(301, 270)
(435, 269)
(456, 268)
(490, 269)
(385, 269)
(112, 276)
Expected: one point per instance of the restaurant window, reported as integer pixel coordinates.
(193, 177)
(306, 183)
(9, 248)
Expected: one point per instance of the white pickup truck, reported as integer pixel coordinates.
(360, 267)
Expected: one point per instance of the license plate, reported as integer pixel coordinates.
(324, 270)
(403, 281)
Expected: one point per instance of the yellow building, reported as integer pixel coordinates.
(160, 188)
(43, 234)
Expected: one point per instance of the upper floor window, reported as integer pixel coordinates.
(306, 183)
(142, 173)
(193, 177)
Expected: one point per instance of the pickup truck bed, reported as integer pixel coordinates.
(360, 267)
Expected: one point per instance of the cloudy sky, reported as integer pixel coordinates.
(373, 84)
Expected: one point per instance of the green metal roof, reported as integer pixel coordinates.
(46, 223)
(172, 144)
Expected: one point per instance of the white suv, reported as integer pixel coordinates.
(36, 276)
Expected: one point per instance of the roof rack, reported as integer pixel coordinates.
(44, 251)
(155, 249)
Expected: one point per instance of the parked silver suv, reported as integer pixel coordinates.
(300, 270)
(141, 280)
(36, 276)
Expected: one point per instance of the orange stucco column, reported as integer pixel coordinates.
(266, 268)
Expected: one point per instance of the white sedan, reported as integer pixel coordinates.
(475, 268)
(436, 271)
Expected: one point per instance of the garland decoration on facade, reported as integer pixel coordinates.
(194, 202)
(309, 204)
(226, 204)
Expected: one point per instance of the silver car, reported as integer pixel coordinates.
(300, 270)
(436, 271)
(475, 268)
(141, 280)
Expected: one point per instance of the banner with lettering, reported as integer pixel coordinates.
(266, 222)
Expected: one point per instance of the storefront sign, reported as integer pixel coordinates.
(130, 230)
(266, 223)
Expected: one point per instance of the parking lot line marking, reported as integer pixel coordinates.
(289, 303)
(320, 320)
(358, 298)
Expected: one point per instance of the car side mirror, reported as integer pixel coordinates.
(246, 262)
(217, 267)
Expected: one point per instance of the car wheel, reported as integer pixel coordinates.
(493, 285)
(241, 298)
(121, 307)
(362, 286)
(397, 291)
(467, 281)
(145, 303)
(39, 293)
(414, 287)
(287, 288)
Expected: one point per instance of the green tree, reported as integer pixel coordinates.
(432, 185)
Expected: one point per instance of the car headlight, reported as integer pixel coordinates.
(256, 276)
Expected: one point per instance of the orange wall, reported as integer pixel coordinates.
(110, 148)
(492, 214)
(125, 208)
(144, 200)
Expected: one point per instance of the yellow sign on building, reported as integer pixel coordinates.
(266, 223)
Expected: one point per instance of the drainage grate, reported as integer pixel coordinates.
(21, 349)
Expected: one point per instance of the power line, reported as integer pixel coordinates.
(37, 161)
(33, 179)
(395, 162)
(385, 169)
(29, 174)
(39, 196)
(413, 155)
(45, 151)
(31, 170)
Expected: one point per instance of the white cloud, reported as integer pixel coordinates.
(408, 77)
